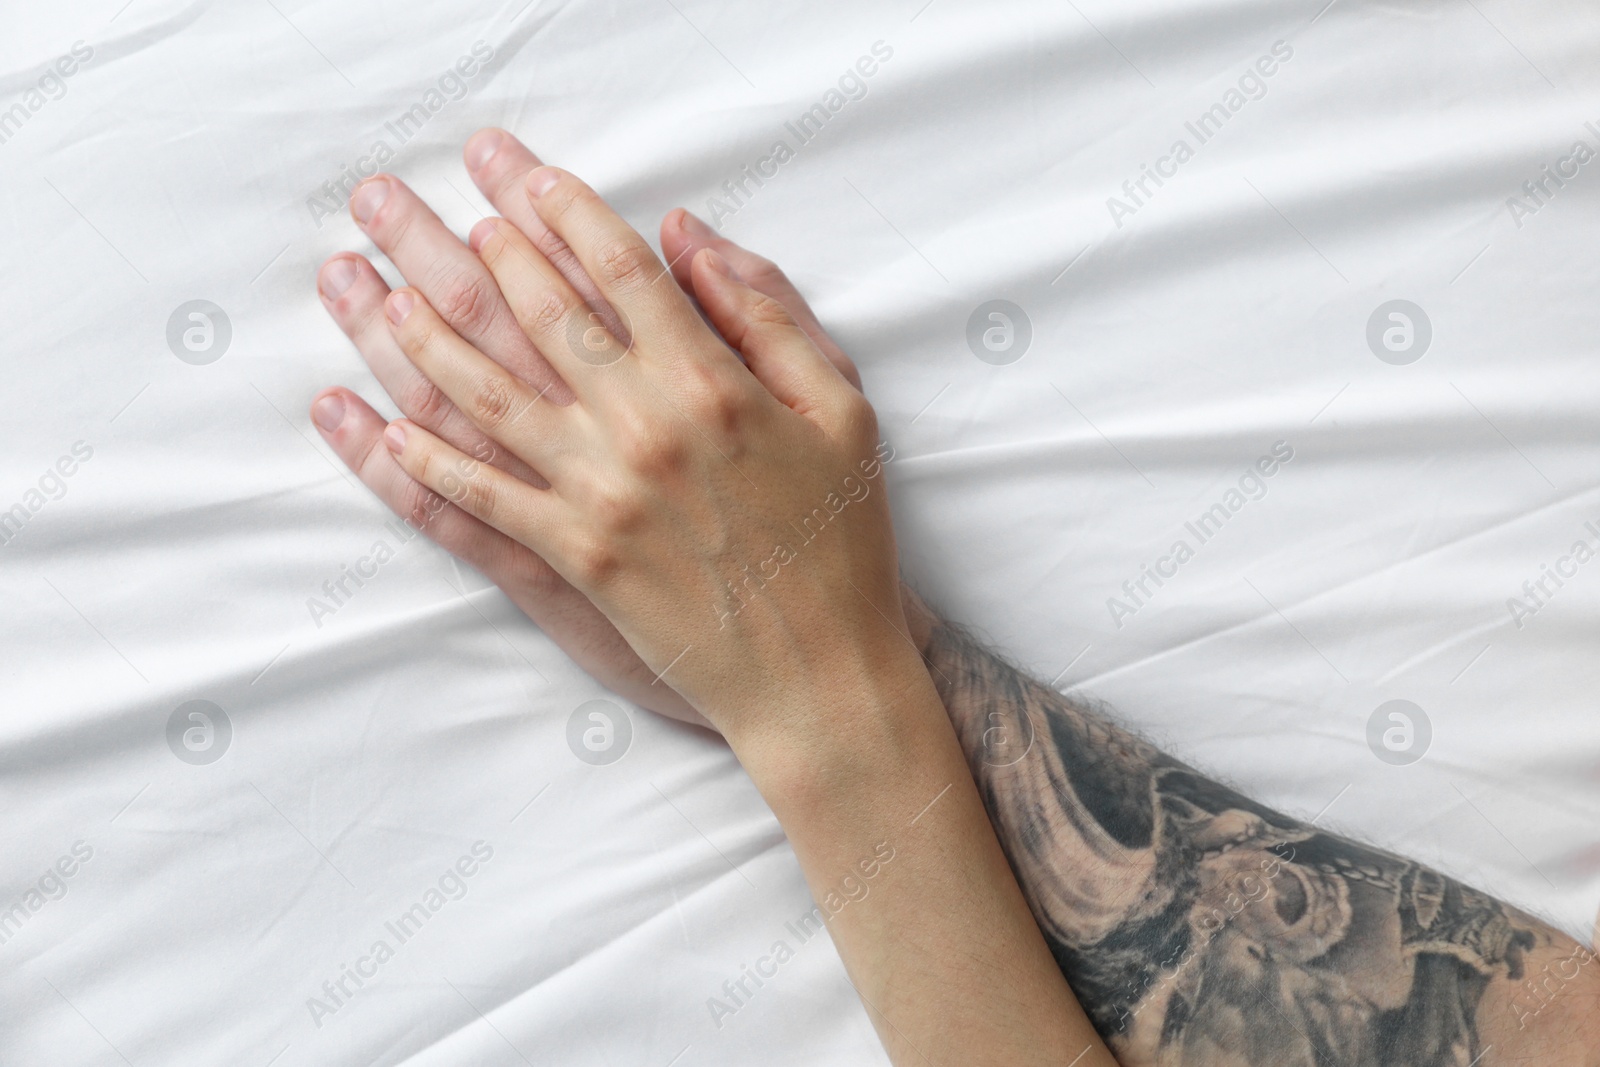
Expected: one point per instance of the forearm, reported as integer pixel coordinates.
(1198, 927)
(912, 884)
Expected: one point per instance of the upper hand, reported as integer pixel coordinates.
(456, 282)
(683, 483)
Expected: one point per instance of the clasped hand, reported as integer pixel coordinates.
(706, 484)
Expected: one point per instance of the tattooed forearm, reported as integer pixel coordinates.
(1200, 928)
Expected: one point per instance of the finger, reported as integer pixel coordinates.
(498, 403)
(500, 165)
(453, 280)
(354, 293)
(552, 313)
(355, 432)
(774, 347)
(683, 236)
(529, 516)
(621, 263)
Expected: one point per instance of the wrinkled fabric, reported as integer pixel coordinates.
(1176, 321)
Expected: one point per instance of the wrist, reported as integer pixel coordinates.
(867, 730)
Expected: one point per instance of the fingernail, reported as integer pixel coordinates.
(368, 199)
(395, 438)
(399, 305)
(337, 276)
(482, 148)
(540, 181)
(328, 412)
(692, 224)
(480, 235)
(718, 264)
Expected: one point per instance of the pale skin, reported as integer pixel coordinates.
(618, 502)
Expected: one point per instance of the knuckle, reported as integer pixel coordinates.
(702, 378)
(423, 467)
(719, 406)
(648, 448)
(721, 416)
(765, 331)
(424, 403)
(479, 497)
(419, 505)
(858, 419)
(859, 411)
(551, 245)
(493, 402)
(766, 311)
(618, 511)
(467, 304)
(461, 482)
(546, 313)
(661, 457)
(624, 264)
(595, 562)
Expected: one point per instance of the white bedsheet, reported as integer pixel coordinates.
(1175, 339)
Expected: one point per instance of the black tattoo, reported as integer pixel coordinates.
(1198, 927)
